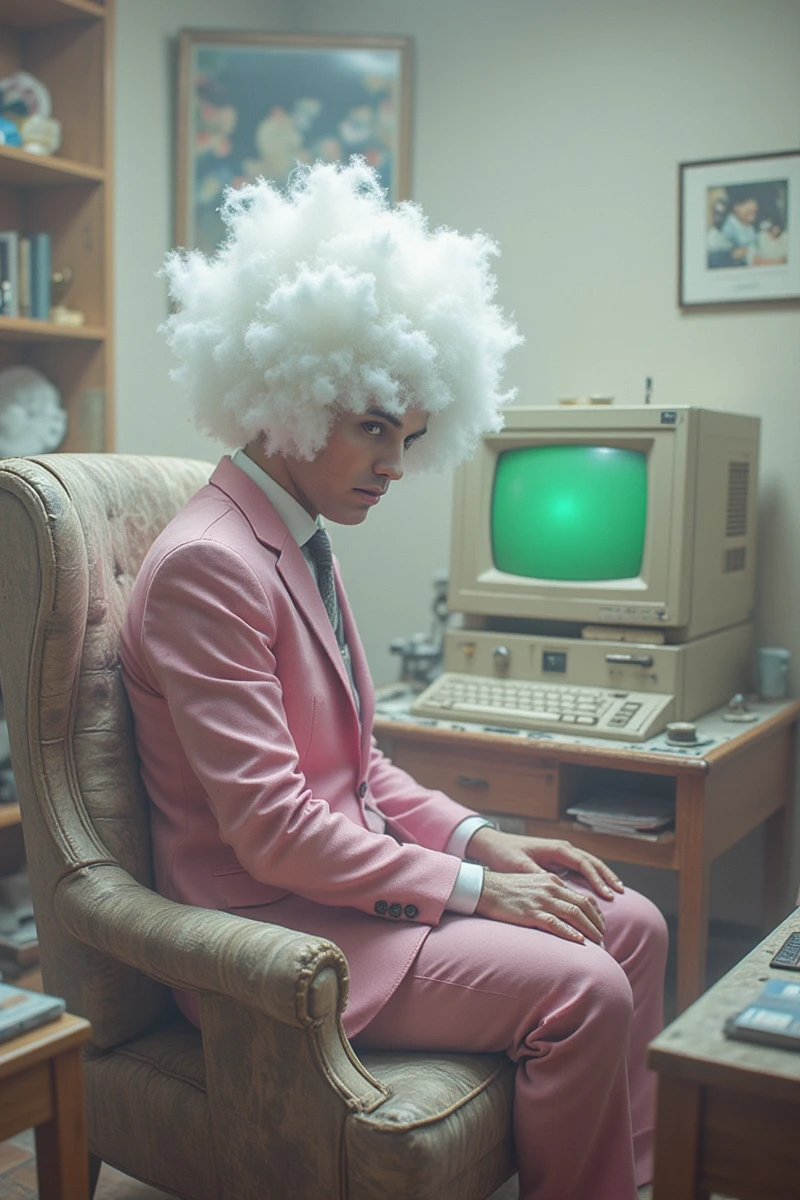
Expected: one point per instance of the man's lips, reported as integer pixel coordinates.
(371, 495)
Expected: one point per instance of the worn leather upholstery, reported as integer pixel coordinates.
(269, 1101)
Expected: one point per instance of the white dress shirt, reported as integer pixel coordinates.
(469, 881)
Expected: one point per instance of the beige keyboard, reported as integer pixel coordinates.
(591, 711)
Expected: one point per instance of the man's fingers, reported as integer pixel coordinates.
(568, 920)
(598, 881)
(589, 917)
(595, 871)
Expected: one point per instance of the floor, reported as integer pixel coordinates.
(18, 1176)
(18, 1161)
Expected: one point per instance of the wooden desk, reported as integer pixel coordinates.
(728, 1111)
(719, 797)
(41, 1085)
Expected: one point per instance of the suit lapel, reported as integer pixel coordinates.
(292, 567)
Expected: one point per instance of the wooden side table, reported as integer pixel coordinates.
(728, 1111)
(41, 1085)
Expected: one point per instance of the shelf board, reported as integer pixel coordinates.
(23, 329)
(9, 815)
(22, 169)
(23, 14)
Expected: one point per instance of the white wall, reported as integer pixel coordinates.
(556, 126)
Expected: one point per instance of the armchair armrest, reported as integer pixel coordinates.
(295, 979)
(196, 949)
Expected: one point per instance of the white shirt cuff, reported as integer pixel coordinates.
(457, 842)
(467, 889)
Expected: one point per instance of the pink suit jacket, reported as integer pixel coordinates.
(260, 771)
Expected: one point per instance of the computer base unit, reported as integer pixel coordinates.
(618, 689)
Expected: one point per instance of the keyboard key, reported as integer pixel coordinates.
(519, 714)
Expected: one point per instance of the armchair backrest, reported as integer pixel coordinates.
(74, 529)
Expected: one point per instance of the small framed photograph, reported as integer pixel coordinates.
(739, 240)
(253, 105)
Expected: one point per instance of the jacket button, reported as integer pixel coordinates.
(381, 907)
(362, 790)
(411, 911)
(395, 910)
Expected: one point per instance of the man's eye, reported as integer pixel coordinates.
(372, 428)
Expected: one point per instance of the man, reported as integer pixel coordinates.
(338, 341)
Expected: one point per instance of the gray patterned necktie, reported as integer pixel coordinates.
(319, 547)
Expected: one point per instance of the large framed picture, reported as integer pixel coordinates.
(739, 230)
(253, 105)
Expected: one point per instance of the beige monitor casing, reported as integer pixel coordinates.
(698, 573)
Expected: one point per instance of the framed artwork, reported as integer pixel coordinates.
(739, 239)
(253, 105)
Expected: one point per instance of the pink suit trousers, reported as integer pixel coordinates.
(575, 1018)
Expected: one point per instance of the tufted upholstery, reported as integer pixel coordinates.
(269, 1101)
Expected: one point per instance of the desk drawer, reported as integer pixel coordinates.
(486, 784)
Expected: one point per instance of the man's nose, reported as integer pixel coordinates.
(390, 466)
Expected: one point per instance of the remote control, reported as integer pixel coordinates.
(789, 954)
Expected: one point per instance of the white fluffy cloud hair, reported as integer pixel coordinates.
(326, 299)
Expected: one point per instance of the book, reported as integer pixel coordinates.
(40, 276)
(21, 1010)
(773, 1018)
(9, 273)
(24, 276)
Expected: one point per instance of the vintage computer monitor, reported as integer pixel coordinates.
(606, 548)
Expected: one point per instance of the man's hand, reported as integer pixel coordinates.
(541, 901)
(514, 853)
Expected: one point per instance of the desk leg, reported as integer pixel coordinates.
(62, 1156)
(677, 1140)
(777, 842)
(776, 902)
(693, 890)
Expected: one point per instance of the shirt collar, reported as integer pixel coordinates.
(299, 523)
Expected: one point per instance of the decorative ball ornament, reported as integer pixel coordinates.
(32, 420)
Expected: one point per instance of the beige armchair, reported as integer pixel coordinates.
(268, 1100)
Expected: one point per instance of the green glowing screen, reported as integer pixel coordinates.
(574, 512)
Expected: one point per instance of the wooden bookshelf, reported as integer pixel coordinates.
(67, 44)
(22, 329)
(34, 14)
(21, 169)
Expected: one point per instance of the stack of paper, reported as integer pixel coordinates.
(625, 814)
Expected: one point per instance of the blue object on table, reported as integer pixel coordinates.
(9, 133)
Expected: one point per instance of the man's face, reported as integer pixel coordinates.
(363, 455)
(746, 211)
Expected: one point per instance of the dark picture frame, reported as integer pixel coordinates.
(739, 230)
(256, 104)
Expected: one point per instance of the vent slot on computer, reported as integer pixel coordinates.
(738, 489)
(735, 559)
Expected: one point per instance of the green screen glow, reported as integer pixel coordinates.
(570, 512)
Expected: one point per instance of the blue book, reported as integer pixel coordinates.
(21, 1010)
(9, 273)
(773, 1017)
(40, 276)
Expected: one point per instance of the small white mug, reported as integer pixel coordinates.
(773, 667)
